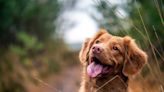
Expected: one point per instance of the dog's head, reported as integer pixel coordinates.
(104, 53)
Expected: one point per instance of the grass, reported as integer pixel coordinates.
(151, 79)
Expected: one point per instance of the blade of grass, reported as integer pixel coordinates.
(159, 11)
(158, 67)
(46, 84)
(157, 38)
(161, 88)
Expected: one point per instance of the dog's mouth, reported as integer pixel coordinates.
(97, 69)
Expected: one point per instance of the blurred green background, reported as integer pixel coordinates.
(35, 57)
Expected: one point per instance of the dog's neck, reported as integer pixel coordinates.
(110, 83)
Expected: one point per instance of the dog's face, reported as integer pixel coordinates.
(105, 54)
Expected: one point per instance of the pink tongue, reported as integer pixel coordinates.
(94, 69)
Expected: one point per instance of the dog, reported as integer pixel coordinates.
(108, 62)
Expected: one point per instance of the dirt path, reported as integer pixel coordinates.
(69, 81)
(66, 81)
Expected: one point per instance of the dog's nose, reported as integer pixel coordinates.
(96, 49)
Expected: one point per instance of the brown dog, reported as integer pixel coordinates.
(108, 62)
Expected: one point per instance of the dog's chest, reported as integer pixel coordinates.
(114, 85)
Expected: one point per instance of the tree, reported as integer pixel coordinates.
(137, 11)
(25, 27)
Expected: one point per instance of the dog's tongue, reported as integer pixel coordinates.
(94, 69)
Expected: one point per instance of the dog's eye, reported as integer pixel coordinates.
(97, 41)
(115, 48)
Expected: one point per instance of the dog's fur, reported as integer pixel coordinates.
(122, 53)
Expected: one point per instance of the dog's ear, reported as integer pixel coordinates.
(135, 58)
(88, 44)
(84, 50)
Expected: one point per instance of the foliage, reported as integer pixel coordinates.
(136, 12)
(32, 16)
(149, 12)
(26, 26)
(134, 8)
(112, 20)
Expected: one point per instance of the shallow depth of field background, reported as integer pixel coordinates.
(40, 41)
